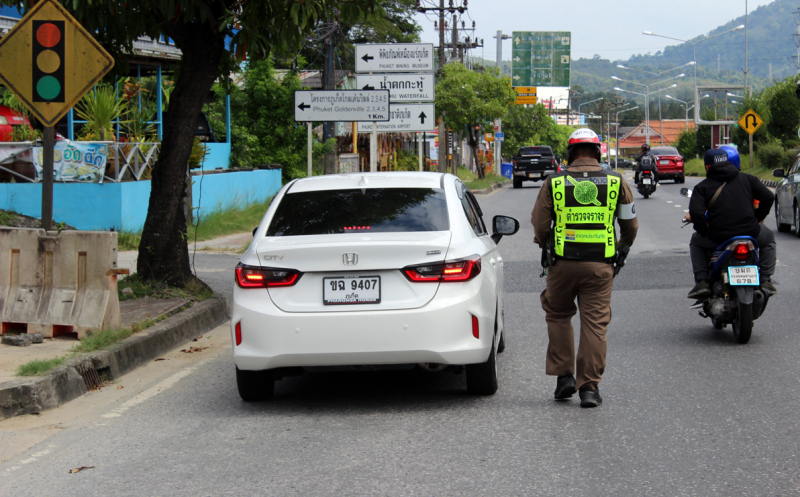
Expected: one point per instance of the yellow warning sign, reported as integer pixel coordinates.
(526, 99)
(750, 121)
(489, 137)
(49, 61)
(525, 90)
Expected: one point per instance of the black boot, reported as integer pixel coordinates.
(700, 291)
(769, 287)
(565, 387)
(589, 397)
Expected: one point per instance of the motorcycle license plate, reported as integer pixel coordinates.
(647, 181)
(743, 276)
(534, 175)
(351, 290)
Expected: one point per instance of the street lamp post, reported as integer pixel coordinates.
(589, 102)
(647, 104)
(646, 100)
(616, 136)
(657, 75)
(694, 43)
(685, 106)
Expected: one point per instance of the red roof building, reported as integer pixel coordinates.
(632, 142)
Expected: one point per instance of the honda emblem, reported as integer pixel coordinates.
(350, 259)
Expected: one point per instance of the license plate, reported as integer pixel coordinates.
(647, 181)
(743, 276)
(534, 175)
(664, 162)
(351, 290)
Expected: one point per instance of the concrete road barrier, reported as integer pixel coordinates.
(58, 283)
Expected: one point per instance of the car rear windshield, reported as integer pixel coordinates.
(373, 210)
(535, 151)
(665, 151)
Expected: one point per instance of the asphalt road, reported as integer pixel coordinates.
(687, 411)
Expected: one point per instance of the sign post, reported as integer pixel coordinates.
(50, 62)
(406, 71)
(339, 105)
(750, 122)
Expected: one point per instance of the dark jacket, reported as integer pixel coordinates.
(733, 213)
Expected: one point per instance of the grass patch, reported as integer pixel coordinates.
(6, 218)
(40, 367)
(695, 167)
(473, 183)
(101, 339)
(228, 221)
(214, 225)
(127, 240)
(193, 291)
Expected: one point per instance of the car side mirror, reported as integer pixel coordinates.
(503, 225)
(686, 192)
(778, 173)
(254, 231)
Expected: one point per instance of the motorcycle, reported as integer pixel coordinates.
(736, 295)
(646, 182)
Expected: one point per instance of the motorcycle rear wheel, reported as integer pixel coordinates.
(743, 324)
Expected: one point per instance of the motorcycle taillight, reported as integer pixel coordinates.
(741, 252)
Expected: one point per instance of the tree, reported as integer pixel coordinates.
(212, 36)
(784, 110)
(525, 125)
(469, 101)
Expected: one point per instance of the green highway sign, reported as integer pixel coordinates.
(540, 58)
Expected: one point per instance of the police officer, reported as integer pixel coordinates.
(574, 217)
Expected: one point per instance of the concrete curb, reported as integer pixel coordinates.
(33, 395)
(495, 186)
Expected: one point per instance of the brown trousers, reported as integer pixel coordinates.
(591, 283)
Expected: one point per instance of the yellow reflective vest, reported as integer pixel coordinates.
(585, 204)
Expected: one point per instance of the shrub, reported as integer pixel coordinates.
(771, 155)
(687, 143)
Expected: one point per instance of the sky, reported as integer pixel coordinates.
(610, 28)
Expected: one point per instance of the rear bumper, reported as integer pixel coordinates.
(439, 332)
(526, 174)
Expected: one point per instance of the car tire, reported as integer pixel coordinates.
(782, 227)
(501, 345)
(255, 386)
(680, 179)
(482, 378)
(517, 182)
(797, 219)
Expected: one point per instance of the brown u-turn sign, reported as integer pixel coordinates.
(750, 121)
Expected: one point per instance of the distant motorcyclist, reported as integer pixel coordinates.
(742, 204)
(645, 153)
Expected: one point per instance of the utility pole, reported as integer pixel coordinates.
(442, 25)
(746, 70)
(796, 38)
(498, 145)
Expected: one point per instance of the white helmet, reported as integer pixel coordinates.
(580, 137)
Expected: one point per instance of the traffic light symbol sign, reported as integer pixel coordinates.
(48, 61)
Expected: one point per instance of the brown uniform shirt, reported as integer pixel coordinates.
(543, 217)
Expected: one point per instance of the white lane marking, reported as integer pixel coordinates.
(676, 205)
(151, 392)
(669, 201)
(31, 459)
(685, 210)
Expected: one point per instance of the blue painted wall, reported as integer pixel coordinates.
(123, 206)
(219, 156)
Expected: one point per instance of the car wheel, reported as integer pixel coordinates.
(501, 345)
(517, 182)
(255, 385)
(482, 378)
(681, 179)
(782, 227)
(797, 220)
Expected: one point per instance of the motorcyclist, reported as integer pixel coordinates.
(739, 210)
(645, 152)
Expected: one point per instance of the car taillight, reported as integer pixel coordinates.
(262, 277)
(447, 271)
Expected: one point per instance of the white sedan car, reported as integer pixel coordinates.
(370, 270)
